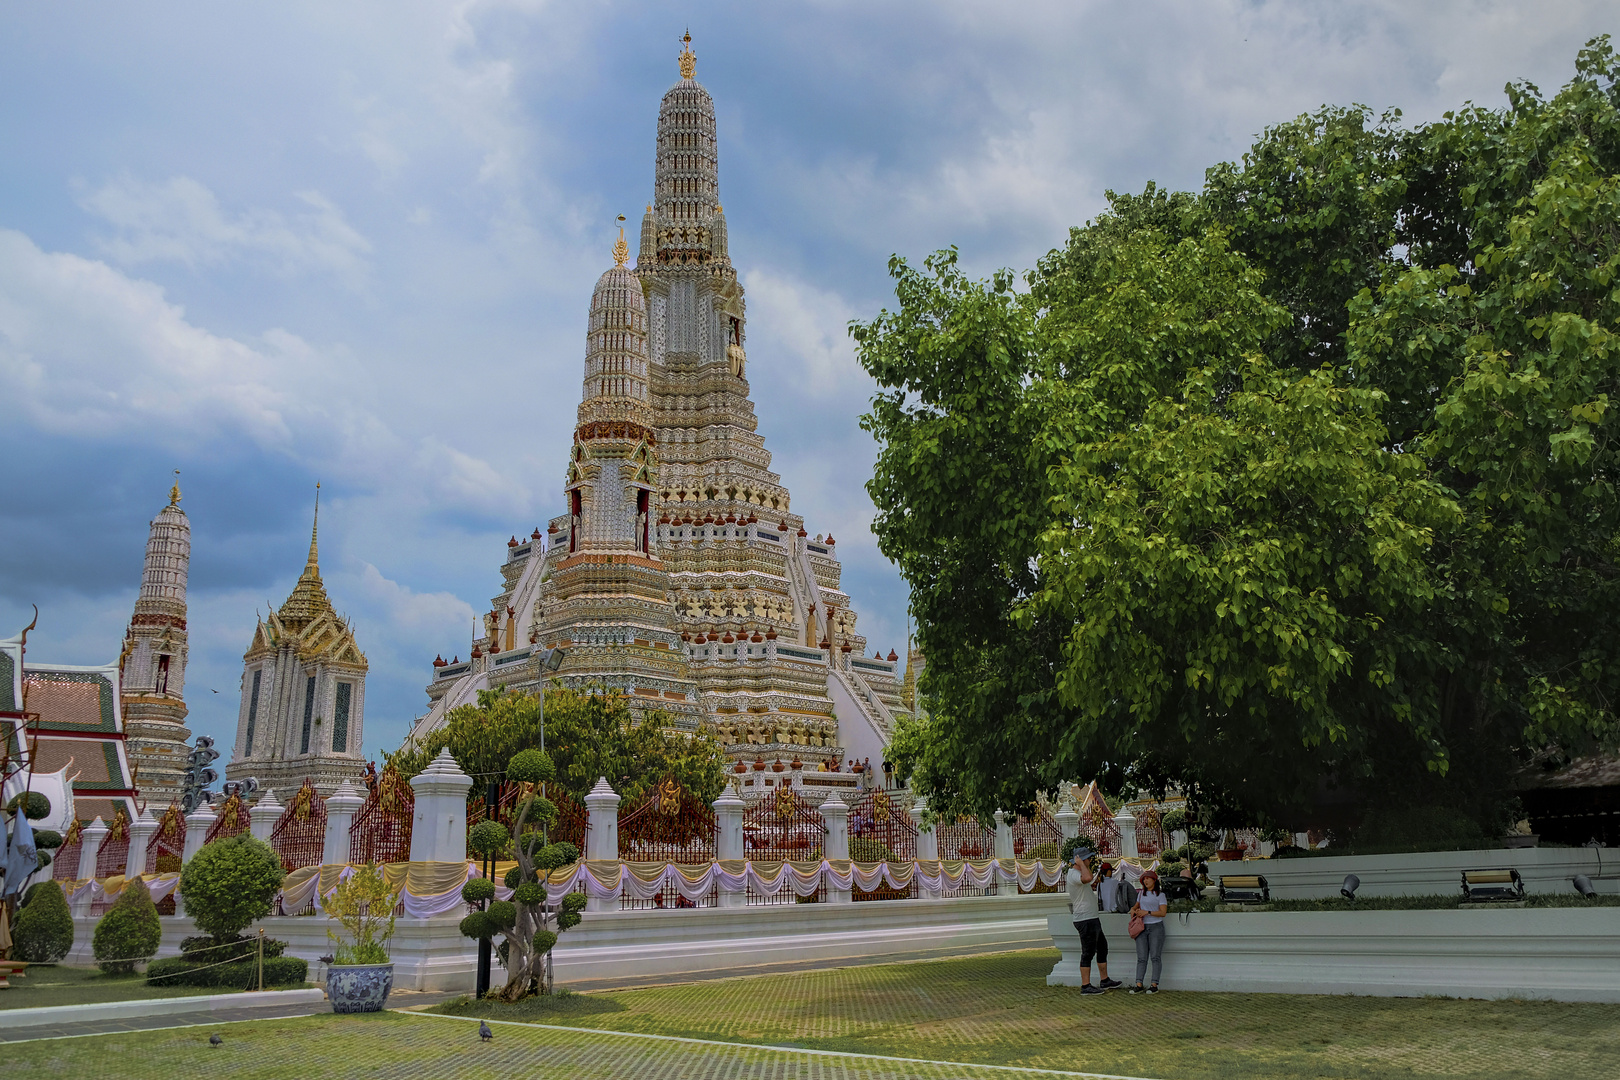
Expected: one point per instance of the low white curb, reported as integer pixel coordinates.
(125, 1010)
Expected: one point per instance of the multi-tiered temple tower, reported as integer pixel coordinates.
(153, 680)
(303, 692)
(679, 574)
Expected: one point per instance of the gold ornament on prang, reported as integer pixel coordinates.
(880, 805)
(688, 59)
(669, 798)
(785, 806)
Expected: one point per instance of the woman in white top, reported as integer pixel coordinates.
(1152, 905)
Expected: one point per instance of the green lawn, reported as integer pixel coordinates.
(987, 1010)
(56, 984)
(998, 1010)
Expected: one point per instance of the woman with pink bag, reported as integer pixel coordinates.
(1147, 927)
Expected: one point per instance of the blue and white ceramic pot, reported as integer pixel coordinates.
(359, 987)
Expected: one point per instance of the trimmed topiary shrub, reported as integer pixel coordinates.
(230, 884)
(43, 933)
(279, 971)
(129, 933)
(37, 807)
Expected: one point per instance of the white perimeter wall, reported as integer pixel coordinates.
(1545, 870)
(1562, 954)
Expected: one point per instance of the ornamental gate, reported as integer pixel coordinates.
(880, 830)
(65, 861)
(1150, 838)
(966, 839)
(113, 857)
(670, 825)
(783, 826)
(300, 833)
(166, 852)
(1035, 838)
(1097, 825)
(573, 820)
(233, 820)
(381, 832)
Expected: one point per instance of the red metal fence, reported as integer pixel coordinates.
(381, 832)
(233, 820)
(299, 836)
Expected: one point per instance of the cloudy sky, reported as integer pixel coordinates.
(267, 244)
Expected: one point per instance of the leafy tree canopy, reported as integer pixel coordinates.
(587, 735)
(1298, 492)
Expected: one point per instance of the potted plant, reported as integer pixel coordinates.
(360, 975)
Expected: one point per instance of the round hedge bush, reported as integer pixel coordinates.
(129, 933)
(230, 884)
(487, 839)
(529, 892)
(43, 933)
(530, 767)
(37, 809)
(478, 890)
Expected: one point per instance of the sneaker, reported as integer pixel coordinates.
(1154, 989)
(1109, 984)
(1089, 989)
(1137, 989)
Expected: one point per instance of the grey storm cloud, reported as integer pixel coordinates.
(270, 244)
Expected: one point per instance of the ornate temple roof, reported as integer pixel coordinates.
(307, 619)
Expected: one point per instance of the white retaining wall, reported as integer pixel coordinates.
(1545, 870)
(431, 954)
(1561, 954)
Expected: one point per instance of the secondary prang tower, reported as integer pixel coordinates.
(303, 692)
(678, 574)
(152, 681)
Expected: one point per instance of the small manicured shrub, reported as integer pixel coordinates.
(43, 933)
(478, 890)
(37, 807)
(278, 971)
(230, 884)
(129, 932)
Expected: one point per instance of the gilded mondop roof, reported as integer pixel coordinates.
(308, 622)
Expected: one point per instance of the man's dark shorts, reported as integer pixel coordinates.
(1092, 942)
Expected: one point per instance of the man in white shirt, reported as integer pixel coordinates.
(1081, 882)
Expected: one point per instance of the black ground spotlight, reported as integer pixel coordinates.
(1583, 885)
(1351, 884)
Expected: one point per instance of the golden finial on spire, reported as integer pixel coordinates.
(621, 250)
(688, 58)
(314, 531)
(174, 492)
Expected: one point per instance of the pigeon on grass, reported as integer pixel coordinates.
(215, 1040)
(484, 1034)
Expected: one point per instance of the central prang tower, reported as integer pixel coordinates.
(678, 574)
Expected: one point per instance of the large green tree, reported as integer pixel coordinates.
(1296, 491)
(587, 735)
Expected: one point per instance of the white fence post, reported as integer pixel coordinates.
(439, 823)
(835, 812)
(1004, 836)
(1068, 818)
(264, 815)
(140, 842)
(728, 836)
(1126, 824)
(927, 844)
(90, 847)
(602, 836)
(341, 806)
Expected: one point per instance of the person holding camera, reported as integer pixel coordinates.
(1082, 880)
